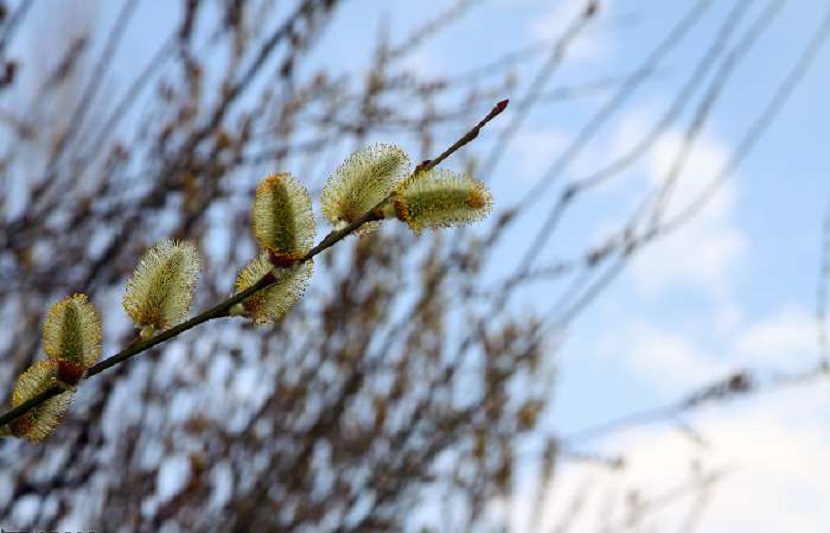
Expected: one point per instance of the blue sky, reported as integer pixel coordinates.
(736, 287)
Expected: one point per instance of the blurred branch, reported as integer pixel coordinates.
(13, 22)
(699, 484)
(782, 94)
(545, 232)
(731, 387)
(628, 243)
(722, 75)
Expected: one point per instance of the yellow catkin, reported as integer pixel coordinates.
(362, 181)
(440, 199)
(72, 336)
(268, 306)
(39, 422)
(159, 294)
(282, 218)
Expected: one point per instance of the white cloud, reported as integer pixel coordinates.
(774, 474)
(787, 337)
(726, 318)
(704, 253)
(778, 482)
(702, 165)
(668, 361)
(671, 361)
(777, 444)
(702, 258)
(536, 149)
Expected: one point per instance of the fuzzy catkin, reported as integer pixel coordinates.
(39, 422)
(161, 289)
(441, 198)
(269, 305)
(282, 218)
(72, 336)
(362, 181)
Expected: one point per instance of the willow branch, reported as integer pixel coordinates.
(222, 309)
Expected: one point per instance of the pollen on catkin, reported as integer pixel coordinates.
(282, 218)
(72, 336)
(159, 294)
(362, 181)
(37, 423)
(440, 199)
(269, 305)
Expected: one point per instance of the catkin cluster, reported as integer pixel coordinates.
(373, 178)
(371, 185)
